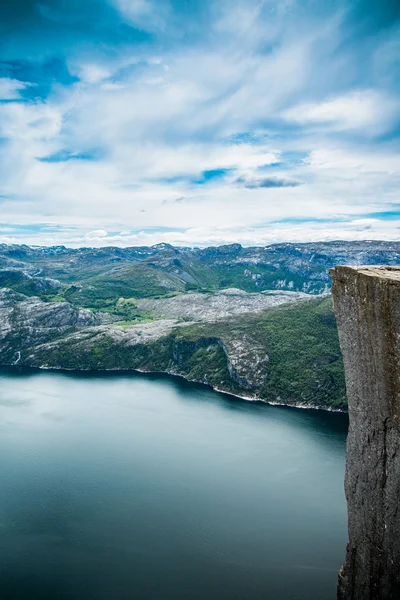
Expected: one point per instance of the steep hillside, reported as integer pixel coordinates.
(286, 354)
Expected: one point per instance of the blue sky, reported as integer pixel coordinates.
(199, 122)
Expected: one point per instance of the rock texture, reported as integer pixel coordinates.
(246, 360)
(367, 307)
(222, 304)
(27, 321)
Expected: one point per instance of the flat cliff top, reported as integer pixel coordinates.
(392, 273)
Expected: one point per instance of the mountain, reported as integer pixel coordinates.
(256, 322)
(95, 277)
(286, 353)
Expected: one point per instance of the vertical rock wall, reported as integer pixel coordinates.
(367, 307)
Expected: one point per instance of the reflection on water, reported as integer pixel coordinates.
(143, 487)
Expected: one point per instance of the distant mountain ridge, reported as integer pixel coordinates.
(150, 271)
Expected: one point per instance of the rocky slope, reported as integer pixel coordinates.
(287, 353)
(26, 321)
(222, 304)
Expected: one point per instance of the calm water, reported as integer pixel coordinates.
(120, 487)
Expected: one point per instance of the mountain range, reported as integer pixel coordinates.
(255, 322)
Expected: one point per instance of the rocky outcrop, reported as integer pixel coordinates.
(221, 305)
(27, 321)
(27, 283)
(246, 360)
(367, 307)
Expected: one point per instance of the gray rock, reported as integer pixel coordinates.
(367, 307)
(220, 305)
(27, 321)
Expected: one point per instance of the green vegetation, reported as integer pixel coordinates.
(305, 359)
(249, 278)
(124, 310)
(305, 364)
(301, 341)
(136, 281)
(97, 278)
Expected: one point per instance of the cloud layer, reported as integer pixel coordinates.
(199, 122)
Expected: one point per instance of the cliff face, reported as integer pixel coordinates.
(367, 307)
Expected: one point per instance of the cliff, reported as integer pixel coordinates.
(367, 307)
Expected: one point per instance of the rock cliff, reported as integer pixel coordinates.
(367, 307)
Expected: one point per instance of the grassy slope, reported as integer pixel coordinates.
(305, 365)
(240, 276)
(102, 276)
(137, 281)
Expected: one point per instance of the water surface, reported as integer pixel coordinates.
(131, 487)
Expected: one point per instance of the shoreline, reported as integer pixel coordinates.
(302, 406)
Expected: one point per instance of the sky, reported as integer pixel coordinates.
(199, 122)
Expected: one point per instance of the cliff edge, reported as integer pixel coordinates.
(367, 307)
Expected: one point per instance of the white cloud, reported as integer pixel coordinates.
(157, 116)
(144, 14)
(357, 229)
(93, 73)
(356, 110)
(10, 88)
(97, 234)
(353, 162)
